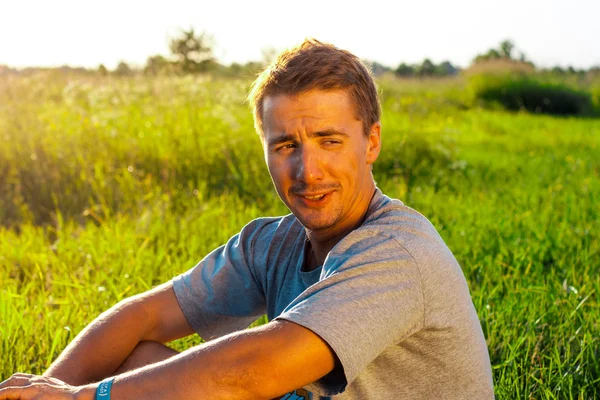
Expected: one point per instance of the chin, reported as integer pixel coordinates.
(314, 224)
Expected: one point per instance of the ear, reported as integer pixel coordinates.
(374, 143)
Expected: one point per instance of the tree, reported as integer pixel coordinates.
(446, 68)
(156, 65)
(427, 68)
(123, 69)
(376, 68)
(102, 70)
(506, 48)
(404, 70)
(194, 52)
(492, 54)
(504, 52)
(522, 57)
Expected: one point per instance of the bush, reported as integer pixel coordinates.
(517, 92)
(596, 99)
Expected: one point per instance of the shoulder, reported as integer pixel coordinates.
(391, 217)
(414, 235)
(397, 230)
(270, 235)
(378, 240)
(269, 227)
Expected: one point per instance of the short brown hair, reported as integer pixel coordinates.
(322, 66)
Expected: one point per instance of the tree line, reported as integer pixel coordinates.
(192, 53)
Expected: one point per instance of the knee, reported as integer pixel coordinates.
(153, 351)
(145, 353)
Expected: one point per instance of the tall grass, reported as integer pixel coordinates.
(110, 186)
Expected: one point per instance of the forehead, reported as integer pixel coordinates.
(316, 107)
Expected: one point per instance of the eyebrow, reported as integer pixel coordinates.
(321, 133)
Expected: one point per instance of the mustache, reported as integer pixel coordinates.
(300, 188)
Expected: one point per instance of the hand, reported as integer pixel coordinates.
(34, 387)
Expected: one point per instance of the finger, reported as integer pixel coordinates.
(22, 374)
(16, 380)
(40, 379)
(20, 379)
(54, 381)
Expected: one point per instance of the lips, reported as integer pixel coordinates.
(313, 199)
(313, 196)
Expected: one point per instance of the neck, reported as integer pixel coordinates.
(323, 240)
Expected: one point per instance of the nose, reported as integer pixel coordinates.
(309, 165)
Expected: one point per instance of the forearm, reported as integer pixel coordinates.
(180, 377)
(101, 347)
(202, 372)
(261, 363)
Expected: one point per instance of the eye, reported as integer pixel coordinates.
(287, 146)
(331, 142)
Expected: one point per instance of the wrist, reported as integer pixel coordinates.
(86, 392)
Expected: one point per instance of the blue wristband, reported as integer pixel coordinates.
(103, 390)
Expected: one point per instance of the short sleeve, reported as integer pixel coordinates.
(369, 297)
(222, 293)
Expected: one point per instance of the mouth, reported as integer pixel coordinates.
(313, 199)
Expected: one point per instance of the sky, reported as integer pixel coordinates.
(85, 33)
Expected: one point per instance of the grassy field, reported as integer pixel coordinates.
(110, 186)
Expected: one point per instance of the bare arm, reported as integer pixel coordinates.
(260, 363)
(104, 344)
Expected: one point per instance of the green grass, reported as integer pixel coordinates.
(110, 186)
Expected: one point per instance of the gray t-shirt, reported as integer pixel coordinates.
(390, 300)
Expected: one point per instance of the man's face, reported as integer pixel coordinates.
(319, 157)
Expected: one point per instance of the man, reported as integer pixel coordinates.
(365, 301)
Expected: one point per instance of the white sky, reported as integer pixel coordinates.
(86, 33)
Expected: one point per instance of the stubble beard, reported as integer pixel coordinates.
(319, 219)
(315, 218)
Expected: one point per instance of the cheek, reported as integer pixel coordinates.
(348, 163)
(276, 170)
